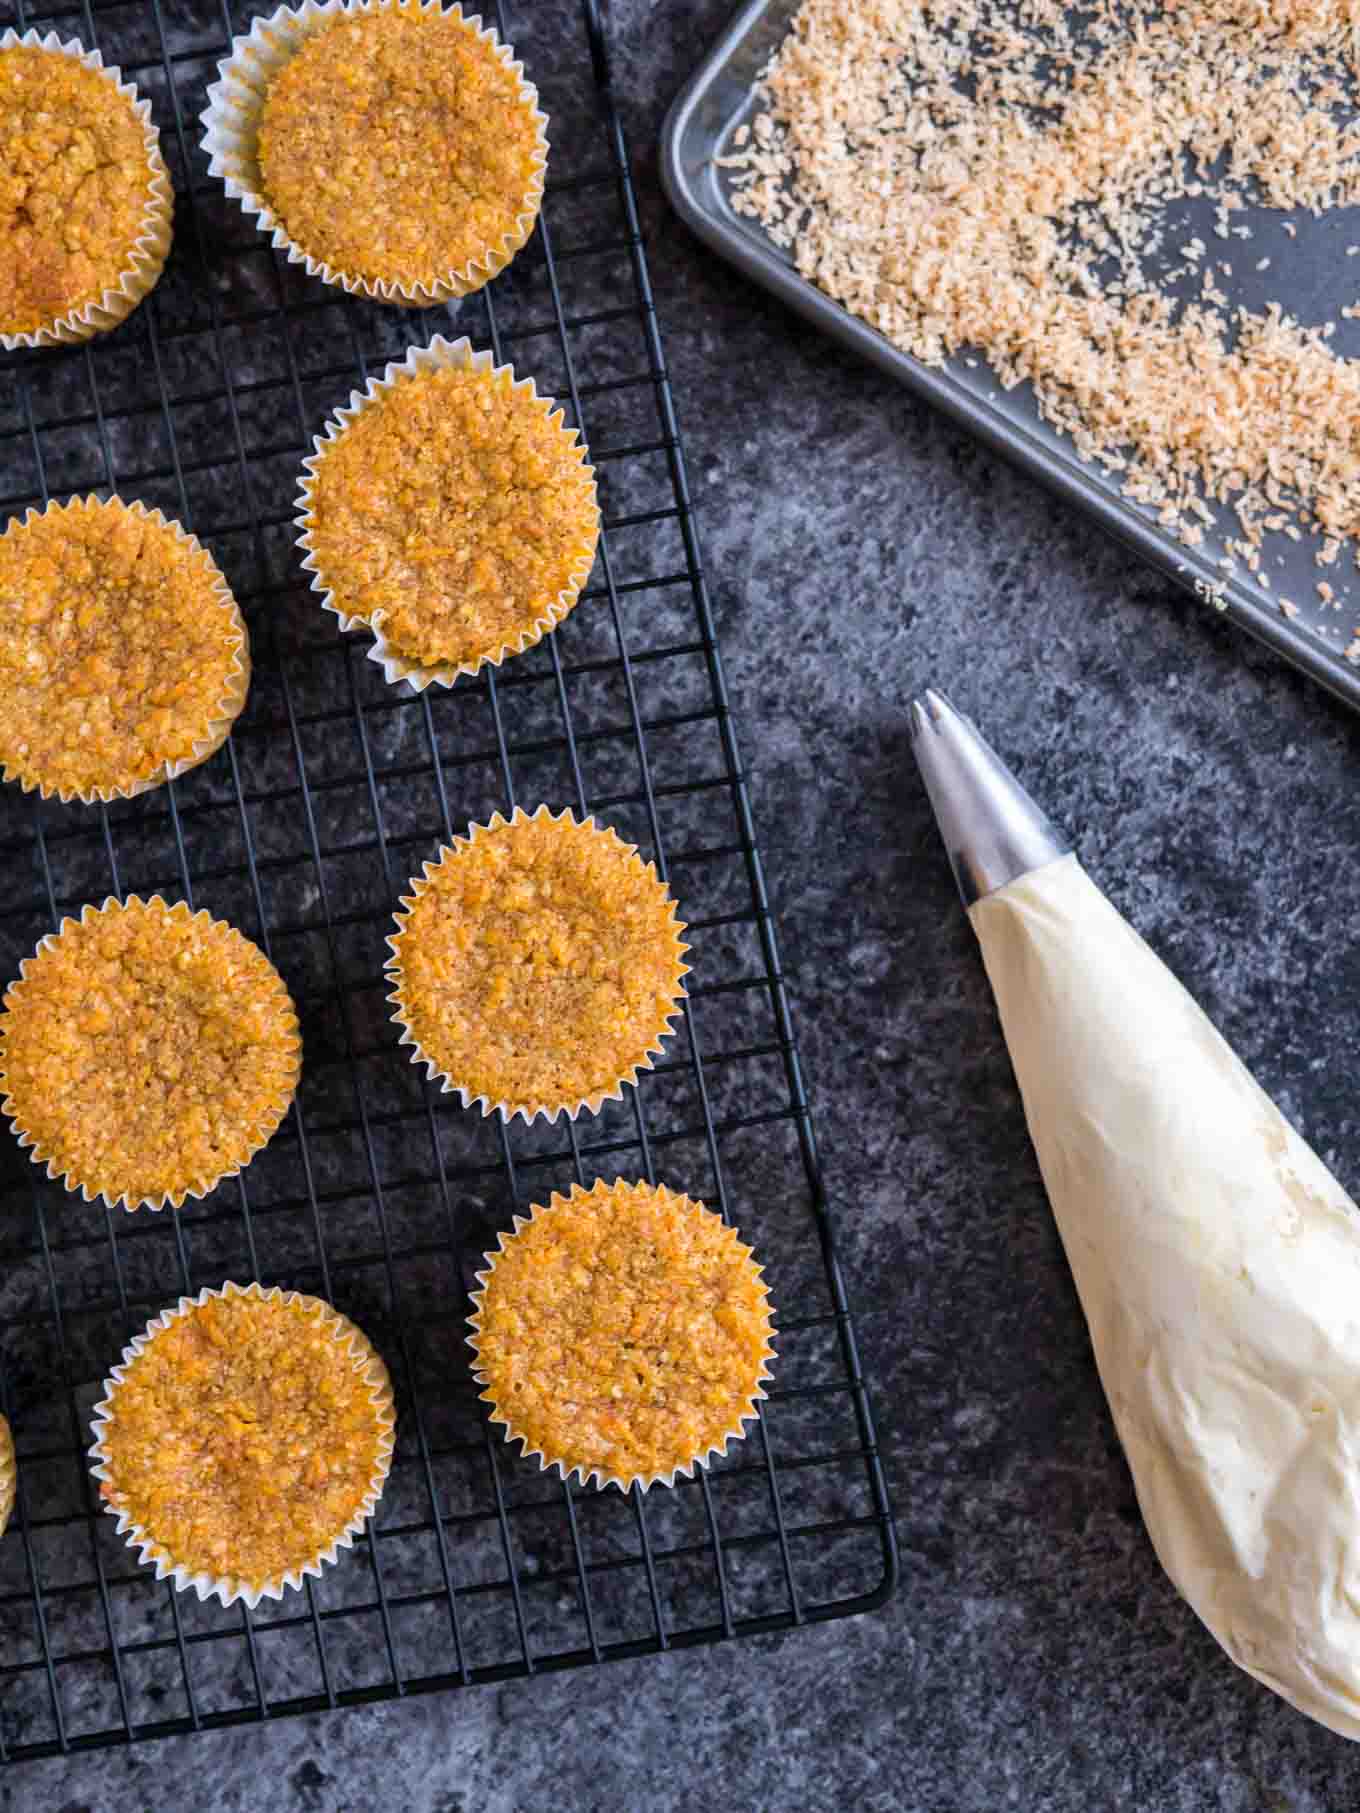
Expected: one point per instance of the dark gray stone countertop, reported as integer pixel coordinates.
(1035, 1657)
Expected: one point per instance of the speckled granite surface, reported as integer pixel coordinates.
(1034, 1657)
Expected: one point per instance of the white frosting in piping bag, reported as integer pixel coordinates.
(1218, 1262)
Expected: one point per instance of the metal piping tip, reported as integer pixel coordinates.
(992, 829)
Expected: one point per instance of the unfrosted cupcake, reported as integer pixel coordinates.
(537, 966)
(244, 1440)
(124, 660)
(146, 1052)
(8, 1474)
(449, 511)
(622, 1333)
(394, 149)
(86, 204)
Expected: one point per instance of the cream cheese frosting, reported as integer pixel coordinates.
(1218, 1263)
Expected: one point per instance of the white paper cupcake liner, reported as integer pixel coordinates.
(219, 727)
(231, 130)
(229, 1588)
(599, 1476)
(8, 1474)
(527, 1111)
(147, 255)
(440, 354)
(258, 1136)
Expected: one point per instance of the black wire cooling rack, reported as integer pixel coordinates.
(378, 1193)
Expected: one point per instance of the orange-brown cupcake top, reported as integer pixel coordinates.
(398, 145)
(458, 507)
(121, 649)
(624, 1331)
(147, 1051)
(75, 186)
(8, 1474)
(246, 1436)
(537, 963)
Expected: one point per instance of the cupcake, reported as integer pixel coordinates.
(622, 1333)
(449, 511)
(394, 149)
(537, 966)
(244, 1441)
(86, 205)
(123, 658)
(146, 1052)
(8, 1474)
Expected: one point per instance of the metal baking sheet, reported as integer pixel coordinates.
(1308, 273)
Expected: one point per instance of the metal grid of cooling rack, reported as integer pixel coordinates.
(379, 1194)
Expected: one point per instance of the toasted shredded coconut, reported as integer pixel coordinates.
(968, 175)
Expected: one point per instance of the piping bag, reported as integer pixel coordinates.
(1216, 1257)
